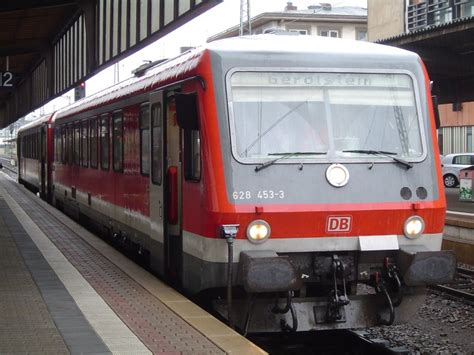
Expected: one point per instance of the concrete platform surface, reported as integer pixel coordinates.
(65, 291)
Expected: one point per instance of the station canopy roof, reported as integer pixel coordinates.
(448, 53)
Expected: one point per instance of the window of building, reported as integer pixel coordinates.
(104, 142)
(470, 146)
(192, 155)
(94, 142)
(156, 143)
(145, 139)
(299, 31)
(117, 141)
(84, 143)
(467, 10)
(440, 140)
(329, 33)
(361, 35)
(439, 16)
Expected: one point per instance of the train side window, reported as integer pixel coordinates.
(188, 119)
(77, 143)
(145, 140)
(57, 138)
(38, 146)
(35, 145)
(156, 144)
(94, 142)
(70, 145)
(192, 155)
(117, 141)
(84, 145)
(104, 142)
(63, 144)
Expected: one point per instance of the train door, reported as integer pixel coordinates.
(157, 202)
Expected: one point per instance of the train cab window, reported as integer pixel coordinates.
(145, 140)
(77, 143)
(117, 141)
(156, 144)
(94, 142)
(84, 145)
(192, 155)
(104, 142)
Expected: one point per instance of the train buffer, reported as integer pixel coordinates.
(63, 290)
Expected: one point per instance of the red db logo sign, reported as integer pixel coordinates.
(339, 224)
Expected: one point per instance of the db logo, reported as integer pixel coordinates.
(339, 224)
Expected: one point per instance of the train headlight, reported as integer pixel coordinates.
(258, 231)
(414, 227)
(337, 175)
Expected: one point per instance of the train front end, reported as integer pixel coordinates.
(332, 203)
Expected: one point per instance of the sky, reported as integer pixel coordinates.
(192, 34)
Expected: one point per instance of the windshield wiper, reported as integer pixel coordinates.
(284, 156)
(382, 153)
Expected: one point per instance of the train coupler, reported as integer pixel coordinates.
(337, 299)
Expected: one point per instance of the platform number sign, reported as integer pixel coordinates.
(6, 79)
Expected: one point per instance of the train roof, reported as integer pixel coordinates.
(281, 43)
(185, 64)
(33, 124)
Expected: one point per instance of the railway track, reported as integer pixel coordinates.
(461, 288)
(8, 169)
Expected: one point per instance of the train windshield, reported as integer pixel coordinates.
(328, 114)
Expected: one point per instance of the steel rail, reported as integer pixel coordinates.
(454, 292)
(464, 271)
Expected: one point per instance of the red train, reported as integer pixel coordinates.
(286, 171)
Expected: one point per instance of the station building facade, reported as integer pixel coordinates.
(317, 20)
(434, 29)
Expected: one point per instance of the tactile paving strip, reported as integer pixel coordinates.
(161, 330)
(25, 323)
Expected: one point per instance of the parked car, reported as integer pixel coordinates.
(452, 164)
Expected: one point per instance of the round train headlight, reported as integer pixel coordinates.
(337, 175)
(414, 227)
(258, 231)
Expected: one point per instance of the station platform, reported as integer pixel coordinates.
(65, 291)
(458, 235)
